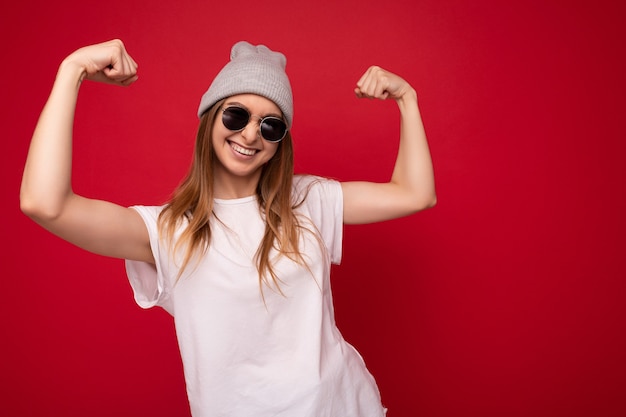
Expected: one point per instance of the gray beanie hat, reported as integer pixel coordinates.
(256, 70)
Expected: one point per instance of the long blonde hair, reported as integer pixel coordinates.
(192, 203)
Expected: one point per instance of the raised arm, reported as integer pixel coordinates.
(46, 193)
(412, 185)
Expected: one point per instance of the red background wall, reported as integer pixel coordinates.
(507, 299)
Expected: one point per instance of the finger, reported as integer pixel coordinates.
(359, 93)
(133, 63)
(382, 84)
(375, 83)
(368, 81)
(367, 87)
(117, 69)
(361, 80)
(121, 65)
(364, 82)
(128, 69)
(375, 88)
(381, 88)
(121, 69)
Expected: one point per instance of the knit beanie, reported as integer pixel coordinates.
(252, 69)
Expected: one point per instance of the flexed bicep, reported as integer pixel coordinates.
(46, 193)
(101, 227)
(411, 187)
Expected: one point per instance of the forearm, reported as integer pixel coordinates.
(46, 182)
(413, 171)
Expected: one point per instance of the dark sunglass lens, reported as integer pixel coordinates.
(273, 129)
(235, 118)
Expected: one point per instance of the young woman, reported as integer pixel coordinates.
(241, 254)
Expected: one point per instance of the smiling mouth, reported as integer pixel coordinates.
(242, 150)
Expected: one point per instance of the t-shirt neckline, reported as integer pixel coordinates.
(231, 201)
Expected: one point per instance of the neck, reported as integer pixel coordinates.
(228, 187)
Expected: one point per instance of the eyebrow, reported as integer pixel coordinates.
(236, 103)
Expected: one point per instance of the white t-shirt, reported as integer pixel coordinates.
(247, 353)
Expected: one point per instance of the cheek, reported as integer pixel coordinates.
(218, 136)
(271, 149)
(215, 132)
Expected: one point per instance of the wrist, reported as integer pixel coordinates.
(71, 71)
(408, 100)
(410, 95)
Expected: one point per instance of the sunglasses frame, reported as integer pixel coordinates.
(261, 120)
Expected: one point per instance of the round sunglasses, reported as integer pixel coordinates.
(273, 129)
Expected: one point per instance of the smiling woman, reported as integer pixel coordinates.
(241, 255)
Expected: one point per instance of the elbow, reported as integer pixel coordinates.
(38, 210)
(429, 202)
(424, 202)
(432, 202)
(32, 210)
(27, 206)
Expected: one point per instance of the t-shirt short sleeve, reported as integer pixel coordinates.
(324, 203)
(148, 281)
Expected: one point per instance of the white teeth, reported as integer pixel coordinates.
(242, 150)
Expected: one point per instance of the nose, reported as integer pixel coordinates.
(252, 131)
